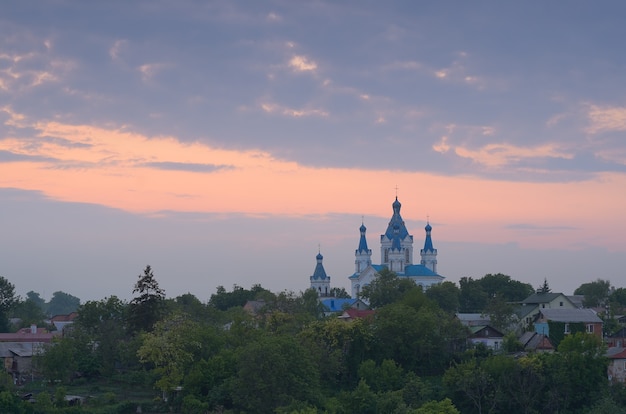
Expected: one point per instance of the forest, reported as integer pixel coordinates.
(410, 356)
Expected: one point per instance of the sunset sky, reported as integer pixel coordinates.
(226, 142)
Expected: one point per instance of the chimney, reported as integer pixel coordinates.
(33, 329)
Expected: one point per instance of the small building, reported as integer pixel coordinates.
(337, 305)
(61, 321)
(536, 342)
(528, 310)
(617, 340)
(486, 335)
(590, 321)
(616, 370)
(17, 349)
(352, 314)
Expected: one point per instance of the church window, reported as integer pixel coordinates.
(386, 255)
(406, 255)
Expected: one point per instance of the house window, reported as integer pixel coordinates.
(567, 328)
(590, 328)
(560, 303)
(543, 305)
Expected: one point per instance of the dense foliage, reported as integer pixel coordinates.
(279, 354)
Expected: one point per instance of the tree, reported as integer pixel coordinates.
(29, 312)
(503, 286)
(274, 371)
(170, 347)
(444, 406)
(386, 288)
(7, 302)
(148, 307)
(62, 304)
(104, 321)
(501, 314)
(596, 293)
(339, 293)
(472, 296)
(447, 295)
(545, 288)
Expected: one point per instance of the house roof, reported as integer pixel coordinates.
(619, 334)
(336, 304)
(617, 352)
(64, 318)
(535, 341)
(536, 298)
(352, 313)
(570, 315)
(476, 329)
(469, 319)
(20, 349)
(28, 337)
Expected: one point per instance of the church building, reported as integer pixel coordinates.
(396, 252)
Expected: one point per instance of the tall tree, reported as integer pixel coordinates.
(7, 301)
(62, 303)
(447, 295)
(148, 307)
(545, 288)
(596, 293)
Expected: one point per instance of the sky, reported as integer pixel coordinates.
(228, 142)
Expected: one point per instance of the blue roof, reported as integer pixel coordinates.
(410, 270)
(428, 243)
(376, 267)
(337, 305)
(418, 270)
(319, 273)
(363, 241)
(396, 230)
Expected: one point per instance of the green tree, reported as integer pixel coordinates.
(386, 288)
(274, 371)
(444, 406)
(339, 293)
(446, 294)
(170, 348)
(7, 301)
(62, 303)
(472, 385)
(104, 322)
(29, 312)
(503, 286)
(545, 288)
(596, 293)
(383, 377)
(149, 306)
(224, 300)
(473, 298)
(501, 314)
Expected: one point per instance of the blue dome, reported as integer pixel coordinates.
(428, 228)
(362, 228)
(396, 205)
(319, 256)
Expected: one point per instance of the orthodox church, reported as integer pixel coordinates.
(396, 252)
